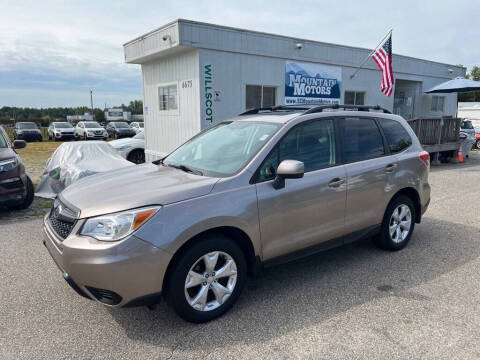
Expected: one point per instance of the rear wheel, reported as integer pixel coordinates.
(207, 279)
(398, 224)
(137, 156)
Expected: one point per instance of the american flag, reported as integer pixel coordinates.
(383, 58)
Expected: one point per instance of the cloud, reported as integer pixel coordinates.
(60, 47)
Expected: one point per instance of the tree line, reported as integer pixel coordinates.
(44, 116)
(471, 96)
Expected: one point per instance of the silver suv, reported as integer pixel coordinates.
(265, 187)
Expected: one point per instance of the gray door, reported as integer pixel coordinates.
(370, 173)
(309, 210)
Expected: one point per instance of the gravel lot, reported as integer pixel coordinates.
(354, 302)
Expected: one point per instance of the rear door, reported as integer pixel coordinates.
(370, 169)
(310, 210)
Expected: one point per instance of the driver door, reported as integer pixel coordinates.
(307, 211)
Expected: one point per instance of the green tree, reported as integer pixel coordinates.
(99, 115)
(471, 96)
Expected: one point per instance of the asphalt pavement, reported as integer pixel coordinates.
(353, 302)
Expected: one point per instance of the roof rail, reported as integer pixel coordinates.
(313, 108)
(320, 108)
(276, 108)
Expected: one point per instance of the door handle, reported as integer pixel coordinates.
(390, 167)
(336, 182)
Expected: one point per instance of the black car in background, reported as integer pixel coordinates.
(27, 131)
(16, 188)
(119, 129)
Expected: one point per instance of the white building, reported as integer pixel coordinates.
(117, 114)
(469, 110)
(76, 118)
(196, 74)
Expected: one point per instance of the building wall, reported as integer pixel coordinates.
(167, 130)
(231, 72)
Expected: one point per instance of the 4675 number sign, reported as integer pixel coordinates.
(187, 84)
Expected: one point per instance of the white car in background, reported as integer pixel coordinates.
(91, 130)
(132, 149)
(137, 126)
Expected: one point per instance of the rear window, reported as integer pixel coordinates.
(397, 137)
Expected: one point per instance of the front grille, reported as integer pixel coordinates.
(98, 132)
(61, 224)
(105, 296)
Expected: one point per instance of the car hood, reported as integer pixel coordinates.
(132, 187)
(127, 141)
(7, 153)
(64, 129)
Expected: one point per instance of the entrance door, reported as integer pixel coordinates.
(405, 98)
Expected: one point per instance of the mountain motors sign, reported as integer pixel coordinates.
(312, 83)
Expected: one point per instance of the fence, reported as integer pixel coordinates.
(437, 134)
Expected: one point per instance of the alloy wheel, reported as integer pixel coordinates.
(210, 281)
(400, 223)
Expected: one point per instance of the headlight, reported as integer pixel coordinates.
(116, 226)
(9, 164)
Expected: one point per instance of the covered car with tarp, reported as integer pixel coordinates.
(73, 161)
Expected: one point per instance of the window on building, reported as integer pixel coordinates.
(260, 96)
(397, 137)
(354, 97)
(167, 97)
(362, 140)
(438, 103)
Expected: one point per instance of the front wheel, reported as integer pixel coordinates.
(397, 225)
(477, 144)
(137, 156)
(207, 279)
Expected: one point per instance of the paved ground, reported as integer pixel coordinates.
(355, 302)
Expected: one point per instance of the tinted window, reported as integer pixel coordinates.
(397, 137)
(312, 143)
(26, 126)
(362, 139)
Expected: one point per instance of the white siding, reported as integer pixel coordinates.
(164, 132)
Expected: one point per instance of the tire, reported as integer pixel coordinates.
(399, 239)
(137, 156)
(28, 198)
(85, 137)
(477, 144)
(191, 261)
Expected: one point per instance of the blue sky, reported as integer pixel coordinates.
(53, 52)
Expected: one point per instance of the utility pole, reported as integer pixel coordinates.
(91, 104)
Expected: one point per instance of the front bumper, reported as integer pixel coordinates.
(13, 190)
(66, 136)
(125, 273)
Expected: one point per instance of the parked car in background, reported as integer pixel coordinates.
(132, 149)
(119, 129)
(259, 189)
(137, 126)
(16, 188)
(62, 131)
(87, 130)
(468, 129)
(27, 131)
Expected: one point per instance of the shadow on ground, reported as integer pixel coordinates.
(297, 295)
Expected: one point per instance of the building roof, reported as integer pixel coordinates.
(182, 34)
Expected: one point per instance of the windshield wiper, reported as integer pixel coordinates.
(184, 168)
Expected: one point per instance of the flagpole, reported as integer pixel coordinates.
(371, 53)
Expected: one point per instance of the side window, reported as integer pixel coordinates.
(313, 143)
(362, 139)
(397, 137)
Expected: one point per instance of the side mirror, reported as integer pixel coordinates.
(19, 144)
(288, 169)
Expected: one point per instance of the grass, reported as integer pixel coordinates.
(35, 156)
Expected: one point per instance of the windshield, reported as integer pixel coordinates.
(140, 135)
(62, 125)
(120, 125)
(92, 125)
(223, 150)
(26, 126)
